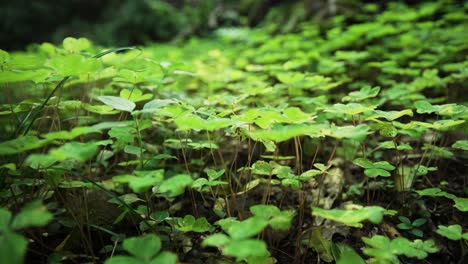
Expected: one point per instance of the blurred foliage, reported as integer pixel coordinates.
(124, 22)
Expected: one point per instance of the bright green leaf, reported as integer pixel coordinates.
(345, 254)
(216, 240)
(247, 228)
(165, 257)
(73, 45)
(175, 185)
(32, 215)
(352, 217)
(461, 144)
(265, 211)
(246, 248)
(123, 260)
(12, 247)
(118, 103)
(75, 150)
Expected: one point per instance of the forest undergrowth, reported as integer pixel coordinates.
(342, 141)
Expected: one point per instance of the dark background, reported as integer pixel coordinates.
(125, 22)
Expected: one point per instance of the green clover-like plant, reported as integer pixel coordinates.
(349, 109)
(175, 185)
(73, 45)
(364, 93)
(285, 173)
(13, 246)
(353, 215)
(205, 185)
(192, 121)
(118, 103)
(238, 242)
(135, 95)
(461, 144)
(390, 115)
(22, 144)
(358, 133)
(343, 254)
(374, 169)
(412, 227)
(452, 232)
(141, 181)
(461, 203)
(384, 250)
(190, 224)
(280, 133)
(277, 219)
(452, 110)
(143, 249)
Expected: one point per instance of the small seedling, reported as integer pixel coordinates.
(412, 227)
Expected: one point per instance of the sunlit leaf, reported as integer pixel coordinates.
(246, 248)
(75, 132)
(21, 144)
(216, 240)
(142, 180)
(349, 109)
(165, 257)
(453, 232)
(75, 150)
(352, 217)
(123, 260)
(118, 103)
(461, 144)
(176, 185)
(191, 121)
(279, 133)
(73, 45)
(135, 95)
(247, 228)
(74, 64)
(344, 254)
(265, 211)
(364, 93)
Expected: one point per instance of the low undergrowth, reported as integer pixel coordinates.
(343, 141)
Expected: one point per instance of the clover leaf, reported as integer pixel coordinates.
(364, 93)
(13, 246)
(135, 95)
(176, 184)
(143, 249)
(247, 228)
(452, 232)
(374, 169)
(189, 223)
(352, 217)
(461, 144)
(383, 249)
(73, 45)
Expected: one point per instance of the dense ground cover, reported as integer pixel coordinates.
(344, 141)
